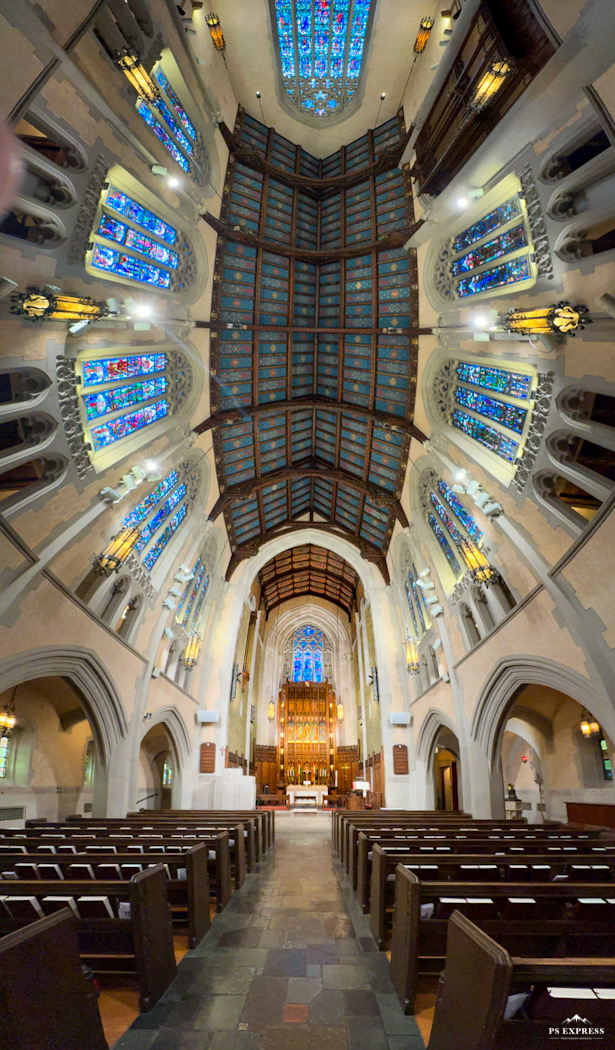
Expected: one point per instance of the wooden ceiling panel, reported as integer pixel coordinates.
(305, 570)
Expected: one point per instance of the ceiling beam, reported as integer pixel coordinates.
(251, 547)
(378, 495)
(388, 420)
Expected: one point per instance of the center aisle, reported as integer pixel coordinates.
(289, 965)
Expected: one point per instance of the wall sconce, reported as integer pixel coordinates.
(561, 319)
(374, 680)
(271, 711)
(477, 562)
(117, 551)
(191, 653)
(490, 83)
(588, 725)
(340, 712)
(425, 28)
(137, 75)
(215, 30)
(412, 656)
(37, 304)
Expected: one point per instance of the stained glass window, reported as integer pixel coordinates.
(514, 383)
(321, 48)
(129, 266)
(160, 516)
(117, 231)
(457, 506)
(110, 369)
(177, 106)
(507, 242)
(409, 596)
(307, 654)
(201, 598)
(496, 277)
(143, 508)
(194, 595)
(445, 545)
(488, 436)
(153, 555)
(108, 433)
(125, 205)
(162, 135)
(446, 518)
(510, 416)
(498, 217)
(5, 744)
(418, 598)
(105, 401)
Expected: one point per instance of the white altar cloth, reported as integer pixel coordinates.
(318, 791)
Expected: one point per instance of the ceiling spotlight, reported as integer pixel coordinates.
(462, 202)
(258, 94)
(460, 475)
(383, 96)
(173, 182)
(480, 321)
(142, 310)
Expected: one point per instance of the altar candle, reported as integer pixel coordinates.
(336, 777)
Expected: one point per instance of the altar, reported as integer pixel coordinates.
(302, 795)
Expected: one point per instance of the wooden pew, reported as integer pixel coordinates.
(533, 919)
(340, 816)
(480, 975)
(262, 821)
(189, 897)
(482, 851)
(141, 945)
(218, 853)
(47, 1004)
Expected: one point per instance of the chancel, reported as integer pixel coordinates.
(307, 467)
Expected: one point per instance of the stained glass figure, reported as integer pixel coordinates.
(201, 598)
(189, 589)
(139, 242)
(107, 433)
(129, 266)
(321, 48)
(507, 242)
(131, 209)
(498, 217)
(149, 118)
(152, 556)
(143, 508)
(110, 369)
(177, 106)
(446, 518)
(160, 516)
(411, 607)
(458, 508)
(307, 654)
(488, 436)
(445, 545)
(496, 277)
(510, 416)
(114, 400)
(514, 383)
(417, 602)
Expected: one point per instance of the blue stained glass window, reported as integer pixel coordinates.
(514, 383)
(160, 133)
(107, 433)
(457, 506)
(188, 590)
(445, 545)
(109, 369)
(160, 516)
(201, 598)
(105, 401)
(139, 242)
(496, 277)
(488, 436)
(321, 47)
(417, 599)
(177, 106)
(125, 205)
(5, 744)
(498, 217)
(175, 128)
(507, 242)
(446, 518)
(415, 623)
(307, 654)
(152, 556)
(510, 416)
(129, 266)
(143, 508)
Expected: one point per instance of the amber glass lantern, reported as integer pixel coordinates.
(136, 73)
(38, 304)
(117, 551)
(215, 31)
(559, 319)
(490, 82)
(412, 656)
(477, 563)
(425, 28)
(191, 652)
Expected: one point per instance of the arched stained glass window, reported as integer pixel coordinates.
(168, 119)
(160, 513)
(321, 46)
(307, 654)
(153, 555)
(416, 604)
(450, 521)
(445, 545)
(114, 409)
(5, 744)
(191, 602)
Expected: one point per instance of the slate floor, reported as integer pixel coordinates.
(289, 965)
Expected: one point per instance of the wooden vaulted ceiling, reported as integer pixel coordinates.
(306, 570)
(313, 366)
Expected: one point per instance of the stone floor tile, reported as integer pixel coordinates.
(220, 1013)
(305, 1037)
(271, 938)
(264, 1007)
(169, 1039)
(284, 962)
(235, 1041)
(366, 1034)
(394, 1021)
(345, 976)
(303, 989)
(360, 1004)
(327, 1008)
(248, 938)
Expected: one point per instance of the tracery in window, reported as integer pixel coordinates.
(449, 554)
(307, 654)
(153, 555)
(191, 602)
(160, 513)
(321, 46)
(168, 119)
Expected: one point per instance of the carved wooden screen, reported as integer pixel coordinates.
(307, 724)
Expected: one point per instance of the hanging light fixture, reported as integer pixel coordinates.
(7, 717)
(190, 655)
(271, 711)
(588, 725)
(425, 28)
(412, 655)
(340, 711)
(477, 562)
(491, 81)
(136, 73)
(215, 30)
(117, 551)
(40, 305)
(561, 319)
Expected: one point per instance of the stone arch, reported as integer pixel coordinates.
(508, 675)
(433, 722)
(173, 722)
(86, 673)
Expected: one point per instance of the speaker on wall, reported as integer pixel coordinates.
(207, 717)
(400, 718)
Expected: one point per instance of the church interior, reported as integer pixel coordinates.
(307, 466)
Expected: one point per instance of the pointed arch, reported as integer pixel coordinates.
(433, 722)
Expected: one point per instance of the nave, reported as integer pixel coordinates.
(289, 965)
